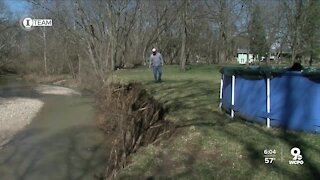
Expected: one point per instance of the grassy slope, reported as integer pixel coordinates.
(209, 144)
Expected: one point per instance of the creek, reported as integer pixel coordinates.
(61, 142)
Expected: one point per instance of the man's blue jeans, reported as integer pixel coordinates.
(157, 72)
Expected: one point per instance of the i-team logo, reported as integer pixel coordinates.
(29, 23)
(297, 157)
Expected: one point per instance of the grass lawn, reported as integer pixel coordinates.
(208, 144)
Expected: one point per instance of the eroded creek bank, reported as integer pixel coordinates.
(63, 141)
(130, 118)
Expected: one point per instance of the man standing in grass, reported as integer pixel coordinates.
(156, 62)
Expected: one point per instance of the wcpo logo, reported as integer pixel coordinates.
(297, 157)
(29, 23)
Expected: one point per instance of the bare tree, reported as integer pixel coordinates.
(8, 37)
(97, 37)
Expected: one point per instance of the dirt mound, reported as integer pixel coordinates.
(131, 118)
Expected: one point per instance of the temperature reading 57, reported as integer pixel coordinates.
(269, 160)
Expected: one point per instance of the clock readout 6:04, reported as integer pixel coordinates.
(269, 151)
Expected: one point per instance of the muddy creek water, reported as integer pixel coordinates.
(62, 141)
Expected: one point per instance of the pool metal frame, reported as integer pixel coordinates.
(233, 99)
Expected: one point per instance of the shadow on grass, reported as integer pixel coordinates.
(310, 169)
(192, 100)
(186, 97)
(195, 103)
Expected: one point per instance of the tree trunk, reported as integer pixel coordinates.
(223, 32)
(183, 52)
(145, 61)
(79, 67)
(248, 58)
(311, 56)
(112, 34)
(184, 38)
(293, 55)
(92, 58)
(297, 29)
(45, 51)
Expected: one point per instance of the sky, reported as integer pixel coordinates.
(17, 7)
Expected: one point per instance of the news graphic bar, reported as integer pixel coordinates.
(28, 23)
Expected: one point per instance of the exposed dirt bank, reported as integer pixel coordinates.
(131, 118)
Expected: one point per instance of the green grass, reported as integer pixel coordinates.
(208, 144)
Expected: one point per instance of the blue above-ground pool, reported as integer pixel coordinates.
(293, 103)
